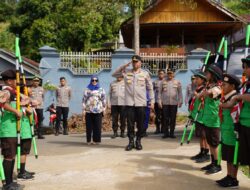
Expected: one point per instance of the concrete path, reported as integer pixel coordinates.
(67, 163)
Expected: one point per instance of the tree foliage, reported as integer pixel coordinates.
(241, 7)
(76, 25)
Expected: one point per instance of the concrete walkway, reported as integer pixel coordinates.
(67, 163)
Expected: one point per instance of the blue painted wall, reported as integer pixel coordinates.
(50, 71)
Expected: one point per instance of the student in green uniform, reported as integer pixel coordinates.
(211, 120)
(230, 88)
(244, 119)
(8, 133)
(196, 108)
(26, 138)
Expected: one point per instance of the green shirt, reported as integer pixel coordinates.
(195, 111)
(25, 128)
(211, 107)
(245, 114)
(8, 123)
(228, 136)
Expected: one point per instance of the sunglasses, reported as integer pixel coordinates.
(94, 80)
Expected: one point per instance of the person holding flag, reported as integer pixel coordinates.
(8, 132)
(230, 88)
(211, 119)
(200, 81)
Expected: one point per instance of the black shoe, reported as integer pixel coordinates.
(25, 176)
(223, 179)
(165, 136)
(172, 136)
(157, 132)
(12, 186)
(213, 170)
(31, 173)
(203, 158)
(122, 135)
(145, 134)
(138, 145)
(65, 132)
(207, 167)
(197, 156)
(130, 145)
(114, 135)
(232, 183)
(40, 137)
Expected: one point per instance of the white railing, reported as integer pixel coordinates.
(154, 62)
(85, 63)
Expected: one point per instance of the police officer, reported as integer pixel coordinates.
(37, 96)
(190, 91)
(137, 82)
(170, 98)
(158, 110)
(63, 96)
(117, 100)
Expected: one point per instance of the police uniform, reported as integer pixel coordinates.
(136, 84)
(170, 96)
(158, 110)
(244, 131)
(117, 100)
(190, 92)
(211, 119)
(37, 94)
(63, 95)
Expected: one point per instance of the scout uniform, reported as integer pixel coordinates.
(37, 94)
(117, 100)
(8, 133)
(228, 136)
(170, 96)
(158, 110)
(244, 132)
(196, 108)
(63, 95)
(211, 119)
(136, 84)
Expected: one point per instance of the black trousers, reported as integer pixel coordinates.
(135, 115)
(158, 117)
(93, 126)
(62, 111)
(118, 114)
(40, 118)
(169, 113)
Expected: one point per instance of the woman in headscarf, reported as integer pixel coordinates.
(94, 103)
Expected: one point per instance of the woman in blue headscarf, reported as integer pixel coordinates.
(94, 103)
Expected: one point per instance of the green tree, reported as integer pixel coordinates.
(241, 7)
(76, 25)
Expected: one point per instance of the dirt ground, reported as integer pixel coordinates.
(67, 163)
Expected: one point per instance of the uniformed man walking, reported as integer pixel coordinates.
(190, 91)
(37, 96)
(170, 98)
(158, 110)
(117, 100)
(137, 82)
(63, 96)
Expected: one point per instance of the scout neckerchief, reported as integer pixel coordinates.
(225, 100)
(198, 90)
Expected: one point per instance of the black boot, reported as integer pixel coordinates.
(122, 134)
(138, 145)
(130, 145)
(114, 135)
(65, 131)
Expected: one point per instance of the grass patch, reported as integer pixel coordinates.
(181, 119)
